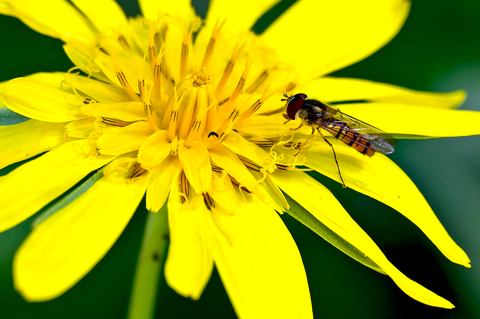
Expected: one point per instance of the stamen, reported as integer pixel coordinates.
(151, 116)
(259, 81)
(241, 84)
(187, 35)
(211, 44)
(235, 182)
(187, 110)
(123, 41)
(172, 124)
(137, 172)
(151, 46)
(252, 109)
(250, 164)
(217, 169)
(123, 81)
(184, 188)
(115, 122)
(208, 201)
(228, 69)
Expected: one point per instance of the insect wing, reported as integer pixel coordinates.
(339, 122)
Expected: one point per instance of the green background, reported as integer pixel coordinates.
(437, 50)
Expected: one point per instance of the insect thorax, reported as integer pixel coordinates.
(312, 112)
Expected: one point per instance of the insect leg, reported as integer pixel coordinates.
(334, 156)
(305, 143)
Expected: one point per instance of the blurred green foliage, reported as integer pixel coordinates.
(437, 50)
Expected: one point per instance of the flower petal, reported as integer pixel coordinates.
(154, 149)
(307, 192)
(34, 184)
(152, 8)
(162, 178)
(63, 22)
(126, 111)
(21, 141)
(380, 178)
(332, 89)
(98, 90)
(66, 246)
(196, 165)
(239, 145)
(414, 120)
(323, 36)
(189, 262)
(259, 264)
(41, 101)
(120, 140)
(240, 16)
(229, 162)
(104, 14)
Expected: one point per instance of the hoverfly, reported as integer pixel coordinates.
(363, 137)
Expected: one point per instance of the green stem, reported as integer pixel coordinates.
(152, 255)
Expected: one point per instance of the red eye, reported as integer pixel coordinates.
(295, 104)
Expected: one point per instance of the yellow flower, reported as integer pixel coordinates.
(190, 114)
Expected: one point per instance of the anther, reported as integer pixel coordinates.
(211, 44)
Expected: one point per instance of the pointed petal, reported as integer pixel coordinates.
(36, 183)
(162, 178)
(63, 22)
(154, 149)
(240, 16)
(104, 14)
(120, 140)
(41, 101)
(308, 192)
(97, 90)
(240, 145)
(65, 247)
(223, 193)
(380, 178)
(196, 165)
(152, 8)
(126, 111)
(331, 89)
(323, 36)
(259, 264)
(189, 262)
(21, 141)
(418, 121)
(229, 162)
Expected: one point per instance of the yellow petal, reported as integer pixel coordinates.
(320, 36)
(98, 90)
(380, 178)
(82, 128)
(239, 145)
(152, 8)
(318, 200)
(41, 101)
(419, 121)
(266, 126)
(154, 149)
(259, 264)
(57, 18)
(229, 162)
(189, 262)
(223, 193)
(126, 111)
(162, 178)
(81, 54)
(21, 141)
(332, 89)
(104, 14)
(66, 246)
(38, 182)
(196, 165)
(240, 16)
(120, 140)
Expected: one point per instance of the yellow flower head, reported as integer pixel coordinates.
(189, 112)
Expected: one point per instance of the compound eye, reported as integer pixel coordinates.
(294, 105)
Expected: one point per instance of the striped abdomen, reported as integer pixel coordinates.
(346, 134)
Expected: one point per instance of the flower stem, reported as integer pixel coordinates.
(149, 264)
